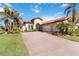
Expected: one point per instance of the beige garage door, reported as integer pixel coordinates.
(46, 28)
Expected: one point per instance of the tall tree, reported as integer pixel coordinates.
(6, 18)
(9, 15)
(16, 18)
(71, 8)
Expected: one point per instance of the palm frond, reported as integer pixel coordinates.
(68, 12)
(2, 13)
(3, 19)
(68, 8)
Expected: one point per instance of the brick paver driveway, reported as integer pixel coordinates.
(43, 44)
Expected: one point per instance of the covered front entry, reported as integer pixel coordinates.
(38, 27)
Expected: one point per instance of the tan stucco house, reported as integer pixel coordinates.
(40, 25)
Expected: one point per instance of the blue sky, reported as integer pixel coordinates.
(47, 11)
(31, 10)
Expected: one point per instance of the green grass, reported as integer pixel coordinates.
(12, 45)
(73, 38)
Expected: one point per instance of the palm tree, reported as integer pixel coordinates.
(6, 18)
(9, 15)
(16, 18)
(71, 9)
(61, 27)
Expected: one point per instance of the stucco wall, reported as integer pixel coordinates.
(37, 21)
(26, 27)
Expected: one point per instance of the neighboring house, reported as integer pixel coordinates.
(39, 25)
(27, 25)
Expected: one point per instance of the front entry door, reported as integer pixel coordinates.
(38, 27)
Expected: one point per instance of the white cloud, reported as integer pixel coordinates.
(64, 5)
(8, 4)
(47, 18)
(21, 14)
(56, 16)
(1, 6)
(36, 10)
(1, 9)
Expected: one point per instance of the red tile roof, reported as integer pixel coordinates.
(55, 20)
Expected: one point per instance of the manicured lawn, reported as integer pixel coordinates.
(73, 38)
(12, 44)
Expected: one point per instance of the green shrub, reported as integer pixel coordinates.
(71, 31)
(77, 32)
(30, 30)
(2, 31)
(15, 30)
(57, 33)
